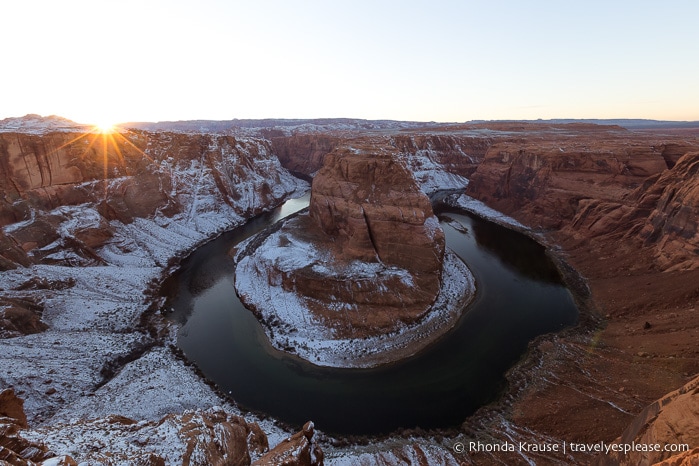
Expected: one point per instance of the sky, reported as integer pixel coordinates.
(112, 61)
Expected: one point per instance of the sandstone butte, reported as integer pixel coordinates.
(620, 207)
(366, 261)
(371, 210)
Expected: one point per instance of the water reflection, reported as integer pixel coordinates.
(516, 252)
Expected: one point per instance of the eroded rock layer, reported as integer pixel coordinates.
(370, 210)
(60, 191)
(369, 204)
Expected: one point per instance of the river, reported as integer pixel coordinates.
(520, 295)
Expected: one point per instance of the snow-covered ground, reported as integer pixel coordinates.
(310, 338)
(430, 175)
(469, 204)
(96, 358)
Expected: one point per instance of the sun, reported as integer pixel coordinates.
(105, 127)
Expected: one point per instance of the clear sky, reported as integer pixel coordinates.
(434, 60)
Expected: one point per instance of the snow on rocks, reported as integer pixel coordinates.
(152, 386)
(469, 204)
(395, 452)
(291, 326)
(77, 370)
(430, 175)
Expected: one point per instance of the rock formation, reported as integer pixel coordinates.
(669, 422)
(366, 261)
(583, 189)
(60, 190)
(201, 437)
(371, 208)
(300, 449)
(370, 211)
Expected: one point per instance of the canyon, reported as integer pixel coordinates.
(91, 223)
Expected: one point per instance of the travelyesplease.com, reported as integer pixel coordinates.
(565, 447)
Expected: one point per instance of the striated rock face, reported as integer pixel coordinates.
(598, 189)
(672, 226)
(544, 181)
(304, 153)
(371, 207)
(60, 191)
(670, 421)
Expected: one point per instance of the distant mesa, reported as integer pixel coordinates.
(357, 280)
(33, 123)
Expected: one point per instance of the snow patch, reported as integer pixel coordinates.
(469, 204)
(311, 339)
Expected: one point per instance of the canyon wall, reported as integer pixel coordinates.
(437, 161)
(60, 192)
(672, 226)
(583, 189)
(304, 153)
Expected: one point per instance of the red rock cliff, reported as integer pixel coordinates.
(48, 181)
(373, 208)
(589, 188)
(543, 182)
(672, 226)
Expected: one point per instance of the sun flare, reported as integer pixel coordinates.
(105, 127)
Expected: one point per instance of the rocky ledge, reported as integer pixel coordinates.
(364, 277)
